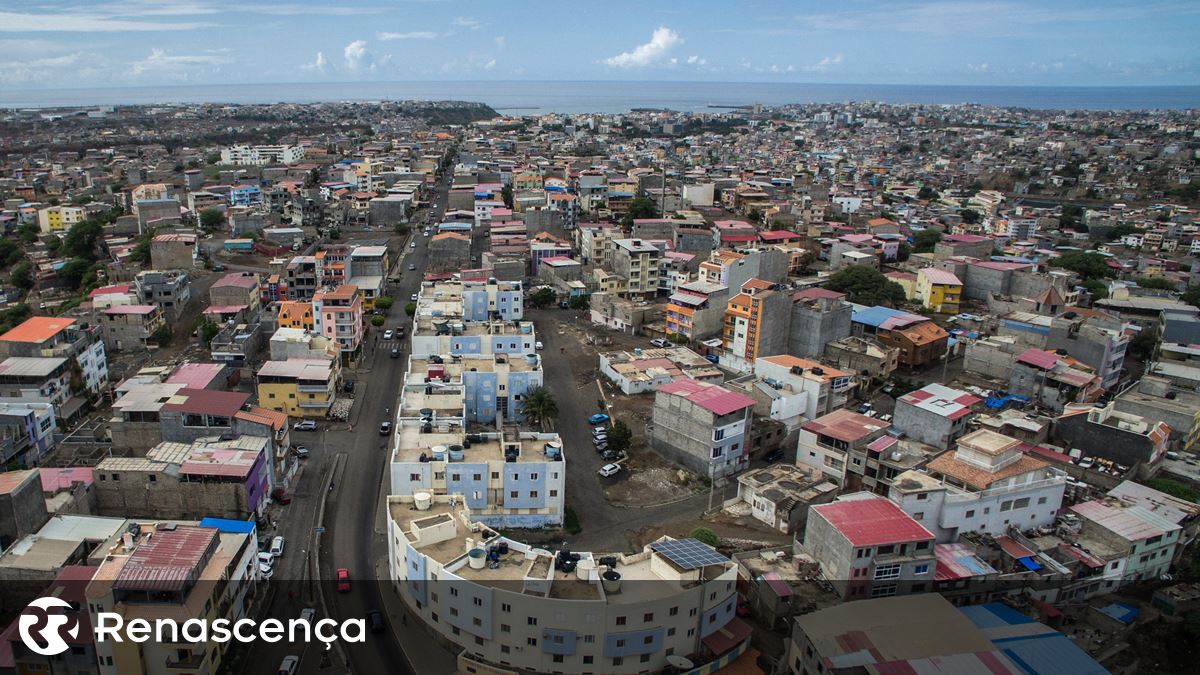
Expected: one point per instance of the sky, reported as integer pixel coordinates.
(108, 43)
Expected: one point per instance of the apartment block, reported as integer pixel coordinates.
(299, 387)
(338, 315)
(702, 426)
(935, 414)
(638, 261)
(130, 326)
(756, 324)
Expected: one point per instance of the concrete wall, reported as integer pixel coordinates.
(683, 432)
(991, 358)
(814, 325)
(1101, 440)
(928, 427)
(136, 495)
(22, 509)
(981, 282)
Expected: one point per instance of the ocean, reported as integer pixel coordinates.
(534, 97)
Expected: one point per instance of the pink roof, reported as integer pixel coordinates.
(727, 224)
(206, 401)
(937, 276)
(167, 560)
(131, 309)
(225, 309)
(872, 522)
(857, 238)
(236, 279)
(882, 443)
(715, 399)
(965, 238)
(54, 480)
(777, 235)
(844, 425)
(196, 375)
(1002, 266)
(1039, 358)
(115, 289)
(942, 400)
(817, 292)
(1011, 547)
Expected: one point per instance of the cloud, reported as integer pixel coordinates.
(412, 35)
(662, 41)
(32, 71)
(23, 22)
(824, 64)
(358, 57)
(490, 64)
(694, 60)
(163, 61)
(466, 22)
(499, 40)
(319, 64)
(977, 67)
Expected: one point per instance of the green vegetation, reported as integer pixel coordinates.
(162, 336)
(971, 216)
(22, 275)
(410, 308)
(544, 297)
(1191, 296)
(211, 219)
(579, 302)
(378, 321)
(677, 338)
(1071, 216)
(571, 522)
(13, 316)
(506, 194)
(705, 535)
(927, 192)
(620, 436)
(1175, 489)
(1156, 282)
(384, 302)
(925, 240)
(75, 272)
(1086, 264)
(866, 286)
(1143, 344)
(640, 207)
(539, 406)
(1122, 230)
(206, 330)
(28, 233)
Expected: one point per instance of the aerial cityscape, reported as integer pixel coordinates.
(737, 341)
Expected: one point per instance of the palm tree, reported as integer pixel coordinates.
(538, 405)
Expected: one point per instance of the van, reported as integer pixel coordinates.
(276, 547)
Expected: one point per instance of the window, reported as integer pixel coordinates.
(648, 640)
(554, 493)
(532, 642)
(533, 494)
(620, 621)
(454, 630)
(921, 569)
(495, 475)
(153, 478)
(505, 607)
(454, 591)
(883, 590)
(884, 550)
(645, 658)
(674, 611)
(478, 602)
(919, 515)
(922, 545)
(477, 621)
(648, 617)
(716, 452)
(888, 571)
(532, 620)
(589, 639)
(453, 611)
(505, 628)
(670, 632)
(504, 649)
(434, 616)
(558, 658)
(970, 513)
(1041, 500)
(620, 643)
(414, 477)
(922, 496)
(513, 494)
(533, 476)
(587, 659)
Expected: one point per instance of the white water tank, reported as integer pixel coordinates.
(611, 580)
(439, 453)
(422, 500)
(477, 558)
(584, 569)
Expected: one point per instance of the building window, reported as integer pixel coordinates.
(533, 494)
(587, 659)
(617, 661)
(554, 493)
(884, 550)
(532, 620)
(674, 611)
(620, 643)
(513, 494)
(645, 658)
(670, 632)
(504, 649)
(648, 617)
(558, 658)
(922, 496)
(921, 569)
(505, 607)
(888, 571)
(478, 602)
(620, 621)
(883, 590)
(970, 513)
(505, 628)
(532, 642)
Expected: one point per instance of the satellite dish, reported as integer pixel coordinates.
(680, 662)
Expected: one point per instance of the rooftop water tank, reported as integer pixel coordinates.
(456, 453)
(439, 453)
(422, 500)
(477, 557)
(611, 581)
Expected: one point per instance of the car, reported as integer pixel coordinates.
(412, 266)
(300, 451)
(862, 409)
(413, 297)
(385, 428)
(872, 413)
(289, 665)
(612, 455)
(1087, 462)
(885, 418)
(609, 470)
(281, 496)
(308, 614)
(343, 580)
(305, 425)
(659, 342)
(389, 334)
(266, 564)
(598, 418)
(277, 547)
(348, 386)
(602, 436)
(412, 244)
(774, 455)
(538, 345)
(712, 358)
(395, 352)
(600, 431)
(266, 571)
(601, 446)
(400, 333)
(375, 618)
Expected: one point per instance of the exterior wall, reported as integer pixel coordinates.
(928, 427)
(22, 509)
(156, 494)
(813, 326)
(990, 359)
(686, 432)
(1101, 440)
(852, 570)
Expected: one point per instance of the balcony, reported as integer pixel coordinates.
(959, 497)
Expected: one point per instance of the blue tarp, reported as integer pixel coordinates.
(1121, 612)
(1029, 564)
(997, 402)
(231, 526)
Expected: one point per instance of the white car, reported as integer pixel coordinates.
(538, 345)
(277, 547)
(659, 342)
(306, 425)
(413, 297)
(412, 244)
(609, 470)
(290, 665)
(389, 334)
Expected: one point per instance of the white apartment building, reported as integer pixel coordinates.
(805, 388)
(261, 155)
(514, 608)
(986, 485)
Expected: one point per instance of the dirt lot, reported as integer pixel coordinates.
(737, 534)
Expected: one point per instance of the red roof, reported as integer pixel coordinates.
(715, 399)
(168, 559)
(1011, 547)
(844, 425)
(817, 292)
(728, 636)
(1040, 358)
(777, 235)
(110, 290)
(875, 521)
(206, 401)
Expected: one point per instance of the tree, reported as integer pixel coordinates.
(925, 240)
(641, 207)
(141, 251)
(28, 233)
(378, 321)
(1156, 282)
(410, 308)
(538, 406)
(162, 336)
(620, 437)
(1191, 296)
(335, 234)
(903, 252)
(1084, 263)
(81, 239)
(206, 330)
(74, 272)
(1144, 343)
(1175, 489)
(578, 302)
(9, 252)
(211, 219)
(971, 216)
(22, 275)
(678, 338)
(53, 244)
(506, 194)
(705, 536)
(1097, 288)
(866, 286)
(384, 302)
(755, 216)
(542, 298)
(927, 192)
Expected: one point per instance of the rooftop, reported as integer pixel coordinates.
(713, 398)
(844, 425)
(872, 521)
(30, 366)
(1128, 521)
(942, 400)
(37, 329)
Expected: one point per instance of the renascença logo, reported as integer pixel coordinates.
(113, 627)
(51, 633)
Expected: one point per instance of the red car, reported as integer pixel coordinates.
(343, 580)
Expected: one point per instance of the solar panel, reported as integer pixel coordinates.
(689, 554)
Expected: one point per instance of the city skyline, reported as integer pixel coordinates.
(982, 42)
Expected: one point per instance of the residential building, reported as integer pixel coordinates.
(59, 218)
(215, 478)
(938, 290)
(1108, 434)
(529, 611)
(628, 316)
(1144, 540)
(988, 484)
(781, 494)
(791, 391)
(868, 548)
(294, 314)
(827, 442)
(26, 431)
(131, 326)
(298, 343)
(1157, 399)
(935, 414)
(179, 572)
(819, 317)
(169, 291)
(236, 289)
(299, 387)
(643, 372)
(638, 261)
(1094, 338)
(864, 356)
(696, 310)
(921, 342)
(25, 379)
(1052, 381)
(702, 426)
(69, 584)
(22, 506)
(338, 315)
(756, 325)
(173, 251)
(47, 336)
(261, 155)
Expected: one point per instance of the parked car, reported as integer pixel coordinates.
(412, 266)
(886, 418)
(413, 297)
(712, 358)
(281, 496)
(343, 580)
(389, 334)
(774, 455)
(300, 451)
(289, 665)
(400, 333)
(659, 342)
(609, 470)
(395, 352)
(375, 618)
(599, 438)
(305, 425)
(218, 268)
(599, 431)
(538, 345)
(348, 386)
(601, 446)
(266, 564)
(862, 409)
(412, 244)
(1087, 462)
(385, 428)
(277, 547)
(308, 614)
(598, 418)
(612, 455)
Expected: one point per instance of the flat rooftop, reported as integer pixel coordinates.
(411, 443)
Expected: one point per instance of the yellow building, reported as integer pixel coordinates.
(907, 281)
(939, 290)
(295, 314)
(298, 387)
(58, 218)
